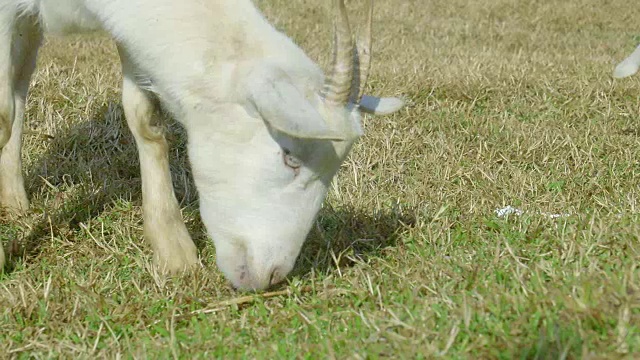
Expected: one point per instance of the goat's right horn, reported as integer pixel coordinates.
(364, 56)
(337, 87)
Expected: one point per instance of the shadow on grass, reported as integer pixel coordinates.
(343, 236)
(554, 342)
(87, 168)
(90, 167)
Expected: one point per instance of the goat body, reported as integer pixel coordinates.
(267, 131)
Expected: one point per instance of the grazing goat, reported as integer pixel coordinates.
(267, 131)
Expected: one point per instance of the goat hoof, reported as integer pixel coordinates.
(15, 202)
(179, 258)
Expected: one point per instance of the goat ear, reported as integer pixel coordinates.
(380, 106)
(285, 109)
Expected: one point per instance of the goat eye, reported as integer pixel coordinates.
(290, 160)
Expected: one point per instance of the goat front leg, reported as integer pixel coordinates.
(6, 88)
(164, 229)
(25, 41)
(19, 40)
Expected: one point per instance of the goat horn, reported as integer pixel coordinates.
(337, 87)
(363, 62)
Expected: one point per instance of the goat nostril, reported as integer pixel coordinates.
(275, 277)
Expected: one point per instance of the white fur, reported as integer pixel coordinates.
(628, 66)
(249, 99)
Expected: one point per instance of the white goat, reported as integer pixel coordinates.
(267, 132)
(628, 66)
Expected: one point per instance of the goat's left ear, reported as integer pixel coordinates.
(285, 109)
(380, 106)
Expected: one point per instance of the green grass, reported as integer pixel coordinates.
(510, 103)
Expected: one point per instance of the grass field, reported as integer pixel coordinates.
(509, 103)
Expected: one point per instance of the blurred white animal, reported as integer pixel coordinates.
(628, 66)
(267, 130)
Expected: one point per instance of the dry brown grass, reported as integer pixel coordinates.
(510, 103)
